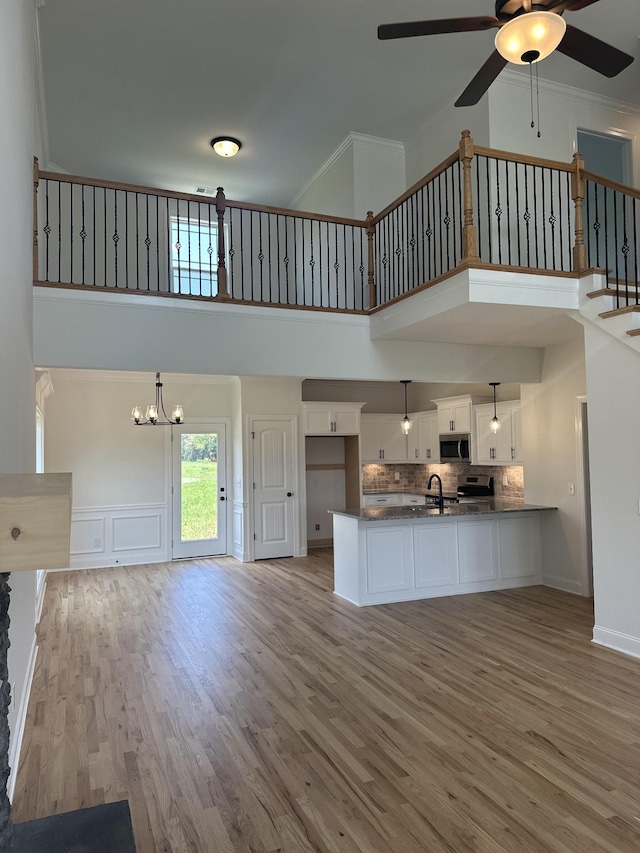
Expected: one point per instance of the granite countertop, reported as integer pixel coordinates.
(394, 490)
(486, 506)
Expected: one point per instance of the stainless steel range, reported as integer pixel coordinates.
(472, 488)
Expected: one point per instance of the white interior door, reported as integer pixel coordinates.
(273, 494)
(199, 491)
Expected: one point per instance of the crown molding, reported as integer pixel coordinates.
(512, 78)
(351, 139)
(88, 375)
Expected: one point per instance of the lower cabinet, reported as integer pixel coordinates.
(378, 562)
(390, 563)
(436, 554)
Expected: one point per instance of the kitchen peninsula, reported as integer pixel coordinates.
(388, 554)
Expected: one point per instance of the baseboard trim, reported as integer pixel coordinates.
(15, 743)
(40, 597)
(562, 584)
(624, 643)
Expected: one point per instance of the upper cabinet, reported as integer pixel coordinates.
(423, 440)
(455, 413)
(382, 439)
(505, 446)
(332, 418)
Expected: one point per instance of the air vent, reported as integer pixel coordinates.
(205, 191)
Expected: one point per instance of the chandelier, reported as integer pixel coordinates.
(152, 414)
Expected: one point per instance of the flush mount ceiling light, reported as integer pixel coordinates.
(530, 37)
(226, 146)
(151, 417)
(495, 422)
(406, 421)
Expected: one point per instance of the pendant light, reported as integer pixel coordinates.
(495, 422)
(152, 414)
(406, 421)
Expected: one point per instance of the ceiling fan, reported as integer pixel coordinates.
(527, 32)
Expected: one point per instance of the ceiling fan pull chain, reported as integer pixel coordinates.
(533, 124)
(538, 100)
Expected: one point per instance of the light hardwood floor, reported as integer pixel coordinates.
(247, 708)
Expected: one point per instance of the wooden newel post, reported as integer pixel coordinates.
(371, 232)
(469, 240)
(221, 205)
(36, 181)
(577, 192)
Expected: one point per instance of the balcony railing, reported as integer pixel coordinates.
(480, 207)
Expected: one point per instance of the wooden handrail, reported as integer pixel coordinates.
(442, 167)
(612, 185)
(210, 200)
(524, 159)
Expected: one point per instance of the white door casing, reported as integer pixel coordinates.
(212, 539)
(274, 482)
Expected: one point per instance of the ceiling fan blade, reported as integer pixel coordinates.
(580, 4)
(434, 28)
(483, 79)
(594, 53)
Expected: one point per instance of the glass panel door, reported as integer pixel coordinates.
(199, 491)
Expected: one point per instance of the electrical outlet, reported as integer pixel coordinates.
(397, 475)
(317, 527)
(572, 489)
(97, 543)
(505, 480)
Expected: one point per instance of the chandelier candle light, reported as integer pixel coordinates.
(495, 422)
(406, 421)
(152, 414)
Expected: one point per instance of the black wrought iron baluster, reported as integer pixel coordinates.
(158, 276)
(104, 231)
(295, 263)
(59, 232)
(625, 246)
(460, 218)
(569, 231)
(527, 214)
(536, 217)
(544, 222)
(552, 221)
(83, 233)
(507, 166)
(428, 231)
(489, 220)
(596, 223)
(519, 236)
(615, 236)
(498, 212)
(336, 264)
(147, 241)
(634, 203)
(71, 226)
(269, 258)
(137, 218)
(126, 238)
(447, 218)
(561, 220)
(47, 230)
(478, 217)
(116, 236)
(312, 265)
(606, 232)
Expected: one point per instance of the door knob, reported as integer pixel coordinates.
(289, 494)
(222, 499)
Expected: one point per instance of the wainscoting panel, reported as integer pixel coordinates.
(119, 535)
(240, 510)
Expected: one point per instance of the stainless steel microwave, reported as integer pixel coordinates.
(454, 448)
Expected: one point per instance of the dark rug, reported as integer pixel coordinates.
(100, 829)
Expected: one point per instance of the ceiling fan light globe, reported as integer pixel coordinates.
(530, 34)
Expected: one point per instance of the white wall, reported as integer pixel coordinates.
(121, 473)
(550, 455)
(613, 388)
(440, 137)
(17, 385)
(364, 173)
(563, 110)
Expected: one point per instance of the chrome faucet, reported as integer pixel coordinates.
(440, 496)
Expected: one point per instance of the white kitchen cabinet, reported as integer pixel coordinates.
(424, 438)
(455, 413)
(332, 418)
(436, 555)
(503, 447)
(382, 439)
(389, 559)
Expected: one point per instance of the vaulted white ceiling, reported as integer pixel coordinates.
(136, 89)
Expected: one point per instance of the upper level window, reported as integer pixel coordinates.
(194, 256)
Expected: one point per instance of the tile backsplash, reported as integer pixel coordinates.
(414, 478)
